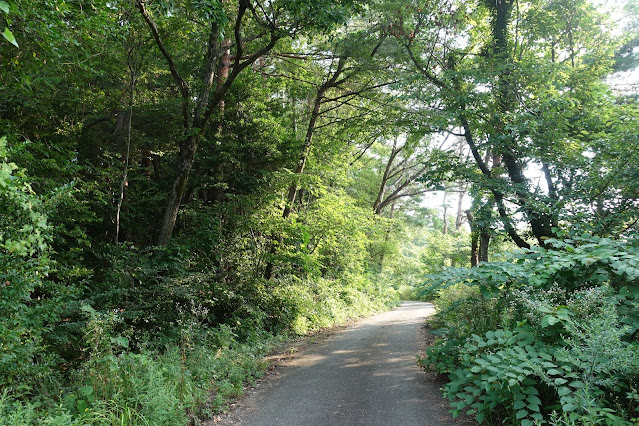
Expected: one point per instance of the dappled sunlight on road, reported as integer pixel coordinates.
(366, 374)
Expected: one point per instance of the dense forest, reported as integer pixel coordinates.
(185, 183)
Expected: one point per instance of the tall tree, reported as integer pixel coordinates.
(483, 60)
(256, 29)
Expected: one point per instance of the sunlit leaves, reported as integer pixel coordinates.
(7, 34)
(561, 329)
(24, 238)
(213, 10)
(319, 15)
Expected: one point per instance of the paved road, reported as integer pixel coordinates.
(363, 375)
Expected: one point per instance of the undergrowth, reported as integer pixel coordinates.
(550, 337)
(193, 379)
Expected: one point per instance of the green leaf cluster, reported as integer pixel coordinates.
(6, 33)
(556, 333)
(24, 265)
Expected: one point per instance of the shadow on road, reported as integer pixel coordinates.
(363, 375)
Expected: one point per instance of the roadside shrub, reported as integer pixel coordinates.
(26, 308)
(316, 303)
(561, 345)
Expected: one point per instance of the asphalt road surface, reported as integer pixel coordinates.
(365, 374)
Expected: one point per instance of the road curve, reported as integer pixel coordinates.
(363, 375)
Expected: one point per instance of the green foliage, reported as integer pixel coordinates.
(173, 386)
(24, 264)
(116, 387)
(444, 250)
(320, 15)
(23, 227)
(137, 334)
(551, 328)
(314, 304)
(495, 375)
(416, 245)
(7, 34)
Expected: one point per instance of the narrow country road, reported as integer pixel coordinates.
(363, 375)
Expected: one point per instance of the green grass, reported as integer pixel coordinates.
(191, 380)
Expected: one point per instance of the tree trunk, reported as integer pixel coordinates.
(125, 172)
(185, 162)
(484, 241)
(504, 92)
(387, 237)
(382, 187)
(132, 62)
(474, 240)
(218, 193)
(445, 214)
(306, 151)
(497, 194)
(333, 81)
(196, 120)
(459, 219)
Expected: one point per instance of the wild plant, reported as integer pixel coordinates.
(563, 334)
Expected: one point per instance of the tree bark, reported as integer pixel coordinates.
(474, 240)
(504, 92)
(387, 237)
(385, 177)
(497, 194)
(133, 63)
(125, 172)
(500, 10)
(185, 162)
(484, 242)
(402, 185)
(459, 219)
